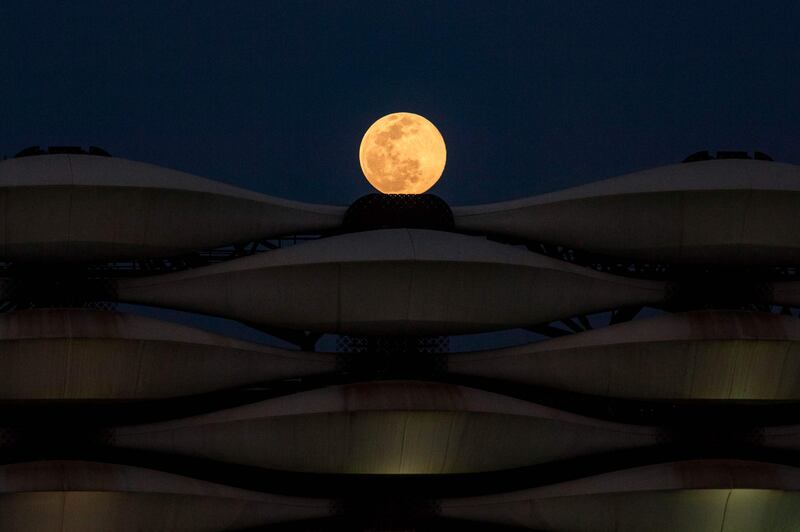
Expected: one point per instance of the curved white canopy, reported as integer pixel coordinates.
(701, 496)
(717, 211)
(90, 354)
(397, 281)
(389, 427)
(79, 496)
(86, 208)
(721, 355)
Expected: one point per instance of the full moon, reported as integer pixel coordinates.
(402, 153)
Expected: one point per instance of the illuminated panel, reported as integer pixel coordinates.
(701, 496)
(387, 428)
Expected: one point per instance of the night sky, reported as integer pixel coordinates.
(275, 96)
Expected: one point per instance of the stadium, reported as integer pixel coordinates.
(384, 384)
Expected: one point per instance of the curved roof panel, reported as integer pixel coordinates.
(701, 496)
(77, 496)
(724, 355)
(396, 281)
(387, 428)
(90, 354)
(711, 212)
(87, 208)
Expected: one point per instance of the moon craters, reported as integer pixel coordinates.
(402, 153)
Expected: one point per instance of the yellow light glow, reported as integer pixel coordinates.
(402, 153)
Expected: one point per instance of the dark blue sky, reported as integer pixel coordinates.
(275, 96)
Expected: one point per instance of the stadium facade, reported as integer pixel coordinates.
(661, 394)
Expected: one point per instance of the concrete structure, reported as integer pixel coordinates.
(734, 355)
(721, 211)
(80, 496)
(665, 397)
(88, 208)
(390, 427)
(701, 496)
(399, 281)
(69, 354)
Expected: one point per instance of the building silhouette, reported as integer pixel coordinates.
(661, 391)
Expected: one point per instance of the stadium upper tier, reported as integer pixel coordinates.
(88, 208)
(80, 496)
(397, 281)
(699, 495)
